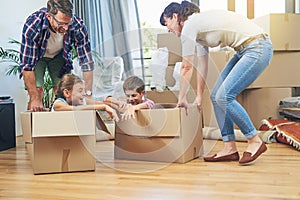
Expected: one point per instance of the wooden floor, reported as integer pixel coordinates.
(275, 175)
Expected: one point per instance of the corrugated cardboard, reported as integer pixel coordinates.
(169, 96)
(161, 135)
(209, 118)
(273, 76)
(283, 71)
(263, 103)
(283, 29)
(260, 103)
(172, 42)
(60, 141)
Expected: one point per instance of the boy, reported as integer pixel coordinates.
(134, 89)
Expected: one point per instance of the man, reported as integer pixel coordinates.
(47, 39)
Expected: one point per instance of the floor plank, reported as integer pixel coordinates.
(275, 175)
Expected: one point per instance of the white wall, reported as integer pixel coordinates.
(13, 15)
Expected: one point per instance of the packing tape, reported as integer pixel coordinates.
(65, 158)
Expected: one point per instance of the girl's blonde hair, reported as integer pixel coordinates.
(67, 82)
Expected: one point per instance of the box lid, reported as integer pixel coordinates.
(26, 126)
(63, 123)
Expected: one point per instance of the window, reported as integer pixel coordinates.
(149, 12)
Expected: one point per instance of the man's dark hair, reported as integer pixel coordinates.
(64, 6)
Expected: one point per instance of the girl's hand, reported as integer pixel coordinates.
(112, 113)
(122, 106)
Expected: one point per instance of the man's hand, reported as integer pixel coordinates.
(35, 93)
(35, 105)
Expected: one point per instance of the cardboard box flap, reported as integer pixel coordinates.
(63, 123)
(100, 124)
(26, 126)
(152, 123)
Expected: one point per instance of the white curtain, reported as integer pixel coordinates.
(114, 29)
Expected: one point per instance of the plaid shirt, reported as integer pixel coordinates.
(35, 36)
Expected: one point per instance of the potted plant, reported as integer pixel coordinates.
(11, 56)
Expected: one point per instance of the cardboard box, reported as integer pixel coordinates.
(283, 29)
(169, 96)
(173, 43)
(263, 103)
(164, 134)
(260, 103)
(283, 71)
(209, 118)
(60, 141)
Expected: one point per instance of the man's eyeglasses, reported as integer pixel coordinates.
(59, 23)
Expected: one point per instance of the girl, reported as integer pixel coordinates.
(71, 96)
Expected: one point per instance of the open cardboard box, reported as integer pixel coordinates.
(60, 141)
(163, 134)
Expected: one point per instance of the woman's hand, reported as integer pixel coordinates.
(183, 104)
(198, 102)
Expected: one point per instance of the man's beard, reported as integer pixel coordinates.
(61, 30)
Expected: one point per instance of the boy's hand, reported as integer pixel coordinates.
(129, 112)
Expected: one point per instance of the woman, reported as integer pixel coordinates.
(253, 53)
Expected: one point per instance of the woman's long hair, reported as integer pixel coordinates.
(184, 10)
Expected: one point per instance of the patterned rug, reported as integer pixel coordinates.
(285, 131)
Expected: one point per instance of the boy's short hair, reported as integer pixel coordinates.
(134, 83)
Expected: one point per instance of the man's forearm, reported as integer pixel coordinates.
(29, 79)
(88, 79)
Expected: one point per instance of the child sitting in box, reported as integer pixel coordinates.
(134, 89)
(71, 96)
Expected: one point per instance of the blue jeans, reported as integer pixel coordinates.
(240, 71)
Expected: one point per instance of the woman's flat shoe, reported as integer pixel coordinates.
(248, 157)
(228, 158)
